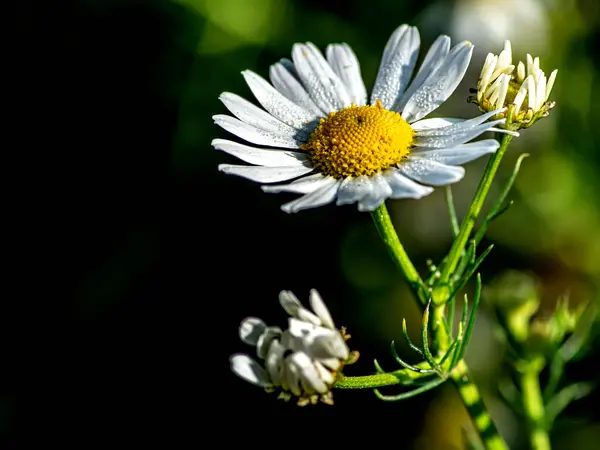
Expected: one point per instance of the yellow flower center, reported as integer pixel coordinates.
(359, 140)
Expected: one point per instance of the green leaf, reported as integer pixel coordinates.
(471, 323)
(409, 394)
(452, 211)
(408, 341)
(406, 365)
(564, 397)
(425, 338)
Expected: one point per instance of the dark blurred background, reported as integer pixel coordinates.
(148, 258)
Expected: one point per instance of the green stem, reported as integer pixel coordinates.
(441, 334)
(442, 292)
(535, 410)
(482, 421)
(402, 376)
(386, 230)
(467, 389)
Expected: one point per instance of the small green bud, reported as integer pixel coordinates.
(548, 333)
(516, 295)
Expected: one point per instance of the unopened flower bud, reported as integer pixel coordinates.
(303, 361)
(523, 89)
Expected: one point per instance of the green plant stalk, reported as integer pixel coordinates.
(386, 231)
(441, 336)
(468, 391)
(441, 293)
(535, 411)
(471, 398)
(402, 376)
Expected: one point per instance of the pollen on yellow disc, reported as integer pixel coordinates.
(359, 140)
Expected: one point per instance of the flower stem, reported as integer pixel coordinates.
(535, 411)
(442, 293)
(386, 230)
(482, 421)
(402, 376)
(460, 375)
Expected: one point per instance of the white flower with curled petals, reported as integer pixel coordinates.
(319, 128)
(523, 90)
(304, 360)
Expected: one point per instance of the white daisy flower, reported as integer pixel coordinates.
(322, 130)
(302, 361)
(523, 89)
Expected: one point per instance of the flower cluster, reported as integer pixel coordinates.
(304, 360)
(524, 90)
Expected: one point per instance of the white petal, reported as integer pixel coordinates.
(345, 64)
(257, 135)
(261, 156)
(291, 376)
(302, 186)
(531, 91)
(403, 187)
(455, 139)
(503, 90)
(317, 342)
(285, 82)
(265, 174)
(431, 172)
(319, 197)
(294, 338)
(329, 345)
(540, 94)
(518, 101)
(435, 56)
(440, 84)
(435, 122)
(459, 126)
(504, 131)
(323, 85)
(324, 374)
(274, 361)
(318, 306)
(441, 122)
(253, 115)
(380, 192)
(460, 154)
(502, 70)
(352, 189)
(248, 369)
(290, 303)
(277, 104)
(308, 373)
(250, 330)
(265, 340)
(332, 363)
(486, 74)
(507, 51)
(521, 72)
(550, 83)
(288, 64)
(530, 66)
(397, 64)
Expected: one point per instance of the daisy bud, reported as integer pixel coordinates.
(304, 361)
(523, 90)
